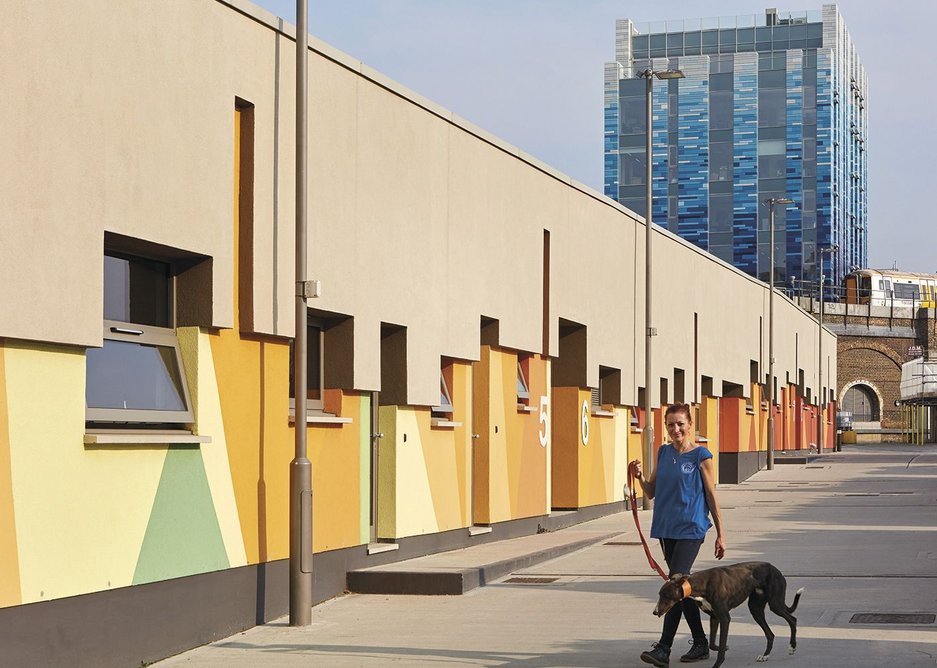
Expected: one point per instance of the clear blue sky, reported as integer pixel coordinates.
(530, 72)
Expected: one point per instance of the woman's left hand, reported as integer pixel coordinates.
(720, 547)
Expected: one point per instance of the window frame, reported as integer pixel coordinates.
(317, 405)
(162, 336)
(151, 335)
(445, 409)
(523, 396)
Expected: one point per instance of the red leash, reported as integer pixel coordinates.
(632, 478)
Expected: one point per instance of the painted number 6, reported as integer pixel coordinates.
(585, 422)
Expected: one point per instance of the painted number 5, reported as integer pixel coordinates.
(544, 421)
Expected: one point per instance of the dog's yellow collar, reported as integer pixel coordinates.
(686, 589)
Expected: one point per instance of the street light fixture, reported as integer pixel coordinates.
(648, 454)
(771, 202)
(821, 398)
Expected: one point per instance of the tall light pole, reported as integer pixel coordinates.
(821, 399)
(300, 467)
(771, 202)
(650, 331)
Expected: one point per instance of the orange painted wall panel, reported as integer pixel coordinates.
(527, 457)
(481, 484)
(335, 453)
(252, 378)
(566, 443)
(510, 462)
(731, 411)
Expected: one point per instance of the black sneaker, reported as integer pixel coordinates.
(659, 656)
(698, 652)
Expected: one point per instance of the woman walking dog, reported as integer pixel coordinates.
(683, 484)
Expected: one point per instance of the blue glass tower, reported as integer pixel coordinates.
(770, 106)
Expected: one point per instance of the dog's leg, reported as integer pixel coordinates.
(723, 616)
(756, 605)
(780, 609)
(713, 629)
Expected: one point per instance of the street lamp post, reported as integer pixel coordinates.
(821, 398)
(771, 202)
(300, 581)
(650, 331)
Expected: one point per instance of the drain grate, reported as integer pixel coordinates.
(622, 542)
(892, 618)
(531, 581)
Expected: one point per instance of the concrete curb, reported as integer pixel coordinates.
(421, 580)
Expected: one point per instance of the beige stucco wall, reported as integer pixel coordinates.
(416, 217)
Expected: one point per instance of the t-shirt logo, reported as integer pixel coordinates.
(687, 467)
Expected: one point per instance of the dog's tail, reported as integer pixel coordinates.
(793, 605)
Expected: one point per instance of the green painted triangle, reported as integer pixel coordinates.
(183, 536)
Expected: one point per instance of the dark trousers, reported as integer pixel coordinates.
(680, 555)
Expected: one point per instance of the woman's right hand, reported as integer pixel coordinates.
(638, 473)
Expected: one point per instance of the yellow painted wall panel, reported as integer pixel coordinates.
(635, 451)
(387, 473)
(439, 456)
(200, 372)
(708, 428)
(406, 505)
(414, 509)
(10, 573)
(597, 460)
(81, 512)
(464, 406)
(620, 467)
(422, 471)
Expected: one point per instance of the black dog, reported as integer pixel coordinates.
(720, 589)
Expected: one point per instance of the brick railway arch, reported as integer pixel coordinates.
(867, 391)
(890, 353)
(867, 388)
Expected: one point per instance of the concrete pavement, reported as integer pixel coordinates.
(858, 529)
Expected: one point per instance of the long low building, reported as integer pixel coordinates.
(475, 355)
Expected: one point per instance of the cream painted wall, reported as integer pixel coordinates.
(417, 218)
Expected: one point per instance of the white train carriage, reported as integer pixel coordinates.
(890, 287)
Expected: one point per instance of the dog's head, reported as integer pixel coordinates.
(671, 593)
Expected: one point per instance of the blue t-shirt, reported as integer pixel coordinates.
(680, 509)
